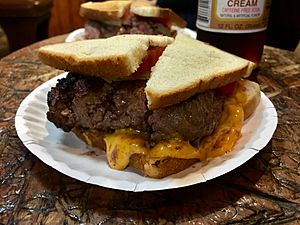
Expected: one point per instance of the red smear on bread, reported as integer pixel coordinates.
(153, 53)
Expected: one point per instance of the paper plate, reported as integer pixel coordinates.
(75, 35)
(66, 153)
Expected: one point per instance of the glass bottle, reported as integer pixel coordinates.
(236, 26)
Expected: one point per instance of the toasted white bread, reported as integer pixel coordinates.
(187, 67)
(147, 10)
(112, 58)
(251, 95)
(112, 12)
(107, 10)
(159, 168)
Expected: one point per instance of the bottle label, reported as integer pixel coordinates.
(233, 16)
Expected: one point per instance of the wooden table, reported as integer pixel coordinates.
(265, 190)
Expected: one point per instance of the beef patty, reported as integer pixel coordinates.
(136, 25)
(89, 102)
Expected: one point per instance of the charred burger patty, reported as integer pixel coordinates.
(87, 102)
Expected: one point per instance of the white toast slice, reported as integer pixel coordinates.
(112, 58)
(187, 67)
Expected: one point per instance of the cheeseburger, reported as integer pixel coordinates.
(153, 103)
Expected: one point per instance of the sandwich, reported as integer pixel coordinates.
(110, 18)
(189, 107)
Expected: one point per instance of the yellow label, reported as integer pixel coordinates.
(233, 16)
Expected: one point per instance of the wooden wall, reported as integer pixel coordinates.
(65, 17)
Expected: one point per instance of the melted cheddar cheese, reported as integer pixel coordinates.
(122, 144)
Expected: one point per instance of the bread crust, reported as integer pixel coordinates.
(159, 168)
(114, 68)
(252, 92)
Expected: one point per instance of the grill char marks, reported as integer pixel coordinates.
(88, 102)
(59, 101)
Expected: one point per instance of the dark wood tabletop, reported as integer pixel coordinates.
(264, 190)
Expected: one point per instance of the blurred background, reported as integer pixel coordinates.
(28, 21)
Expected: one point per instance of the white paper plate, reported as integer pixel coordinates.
(75, 35)
(78, 34)
(65, 152)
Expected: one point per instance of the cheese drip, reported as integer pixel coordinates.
(122, 144)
